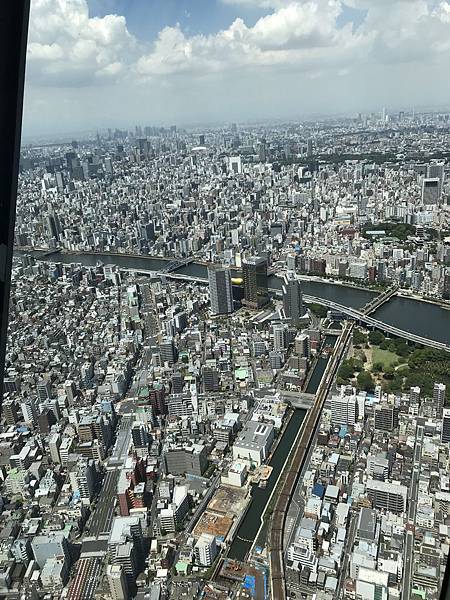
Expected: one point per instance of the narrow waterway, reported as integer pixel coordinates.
(251, 523)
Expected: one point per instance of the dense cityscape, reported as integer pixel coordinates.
(228, 363)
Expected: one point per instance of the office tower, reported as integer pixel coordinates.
(140, 436)
(117, 582)
(436, 171)
(60, 183)
(279, 337)
(344, 409)
(255, 282)
(44, 390)
(235, 164)
(177, 383)
(445, 433)
(385, 496)
(275, 360)
(303, 345)
(309, 147)
(220, 289)
(168, 351)
(293, 301)
(262, 153)
(386, 417)
(54, 444)
(431, 192)
(210, 377)
(439, 397)
(205, 550)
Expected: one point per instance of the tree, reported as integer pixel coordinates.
(365, 381)
(376, 337)
(359, 338)
(346, 370)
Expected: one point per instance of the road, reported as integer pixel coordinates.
(103, 515)
(350, 540)
(408, 555)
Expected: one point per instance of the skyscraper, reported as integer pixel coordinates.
(117, 582)
(255, 282)
(220, 289)
(439, 397)
(279, 337)
(445, 433)
(431, 192)
(293, 301)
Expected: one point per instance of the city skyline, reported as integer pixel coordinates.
(95, 63)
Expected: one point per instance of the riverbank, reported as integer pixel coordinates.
(422, 318)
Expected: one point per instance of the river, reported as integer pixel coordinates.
(422, 318)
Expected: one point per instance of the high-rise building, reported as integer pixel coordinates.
(439, 397)
(210, 377)
(445, 433)
(293, 301)
(303, 345)
(446, 285)
(386, 417)
(385, 496)
(140, 436)
(279, 337)
(344, 409)
(205, 550)
(117, 582)
(414, 394)
(168, 351)
(437, 171)
(220, 289)
(255, 282)
(235, 164)
(54, 444)
(431, 191)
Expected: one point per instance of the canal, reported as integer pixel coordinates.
(251, 523)
(421, 318)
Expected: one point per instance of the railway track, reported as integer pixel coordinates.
(290, 475)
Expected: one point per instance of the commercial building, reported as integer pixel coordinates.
(255, 282)
(117, 582)
(387, 496)
(293, 301)
(182, 460)
(254, 442)
(220, 290)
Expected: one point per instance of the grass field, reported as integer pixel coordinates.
(384, 357)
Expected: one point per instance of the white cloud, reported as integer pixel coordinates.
(66, 47)
(300, 35)
(297, 55)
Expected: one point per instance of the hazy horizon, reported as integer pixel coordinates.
(111, 63)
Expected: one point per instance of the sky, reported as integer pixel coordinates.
(94, 64)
